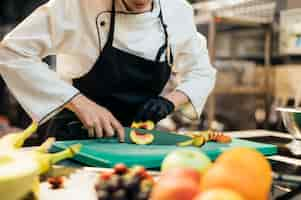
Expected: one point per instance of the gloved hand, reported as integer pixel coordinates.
(155, 110)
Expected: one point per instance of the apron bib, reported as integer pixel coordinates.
(119, 81)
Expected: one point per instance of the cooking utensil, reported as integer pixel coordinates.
(291, 118)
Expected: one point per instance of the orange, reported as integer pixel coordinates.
(218, 194)
(242, 170)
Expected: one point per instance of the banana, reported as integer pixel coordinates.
(20, 170)
(16, 140)
(45, 146)
(18, 174)
(46, 160)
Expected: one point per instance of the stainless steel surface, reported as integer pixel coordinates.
(290, 118)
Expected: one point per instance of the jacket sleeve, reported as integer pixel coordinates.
(191, 58)
(37, 88)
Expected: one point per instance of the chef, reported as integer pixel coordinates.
(114, 58)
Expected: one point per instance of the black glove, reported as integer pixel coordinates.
(155, 109)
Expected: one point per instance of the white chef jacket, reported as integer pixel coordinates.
(68, 29)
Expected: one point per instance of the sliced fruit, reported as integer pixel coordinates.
(186, 143)
(148, 125)
(224, 139)
(198, 141)
(142, 138)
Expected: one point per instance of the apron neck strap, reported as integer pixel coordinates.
(112, 25)
(165, 47)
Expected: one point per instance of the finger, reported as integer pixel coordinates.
(88, 124)
(99, 130)
(91, 132)
(109, 131)
(119, 129)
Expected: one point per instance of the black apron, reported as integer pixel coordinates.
(119, 81)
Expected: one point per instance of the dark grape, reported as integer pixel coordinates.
(114, 183)
(103, 195)
(142, 196)
(101, 186)
(119, 195)
(132, 183)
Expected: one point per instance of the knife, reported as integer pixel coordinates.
(160, 137)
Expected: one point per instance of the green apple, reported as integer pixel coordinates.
(186, 158)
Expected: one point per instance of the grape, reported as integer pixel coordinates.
(120, 169)
(103, 195)
(114, 183)
(101, 186)
(132, 183)
(143, 196)
(119, 195)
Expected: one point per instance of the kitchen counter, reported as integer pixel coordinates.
(286, 166)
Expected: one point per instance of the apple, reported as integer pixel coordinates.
(182, 173)
(186, 158)
(219, 194)
(175, 189)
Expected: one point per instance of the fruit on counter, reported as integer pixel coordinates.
(44, 148)
(46, 160)
(177, 184)
(13, 141)
(18, 174)
(21, 169)
(177, 189)
(120, 169)
(185, 173)
(186, 158)
(242, 170)
(124, 184)
(142, 138)
(56, 182)
(219, 194)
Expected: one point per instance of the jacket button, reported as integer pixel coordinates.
(102, 23)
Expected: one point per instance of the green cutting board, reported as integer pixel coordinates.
(108, 152)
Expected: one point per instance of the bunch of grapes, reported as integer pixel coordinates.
(125, 184)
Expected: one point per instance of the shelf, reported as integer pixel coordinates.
(239, 21)
(241, 90)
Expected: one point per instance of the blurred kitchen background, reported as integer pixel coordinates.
(254, 44)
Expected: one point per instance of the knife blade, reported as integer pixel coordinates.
(160, 137)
